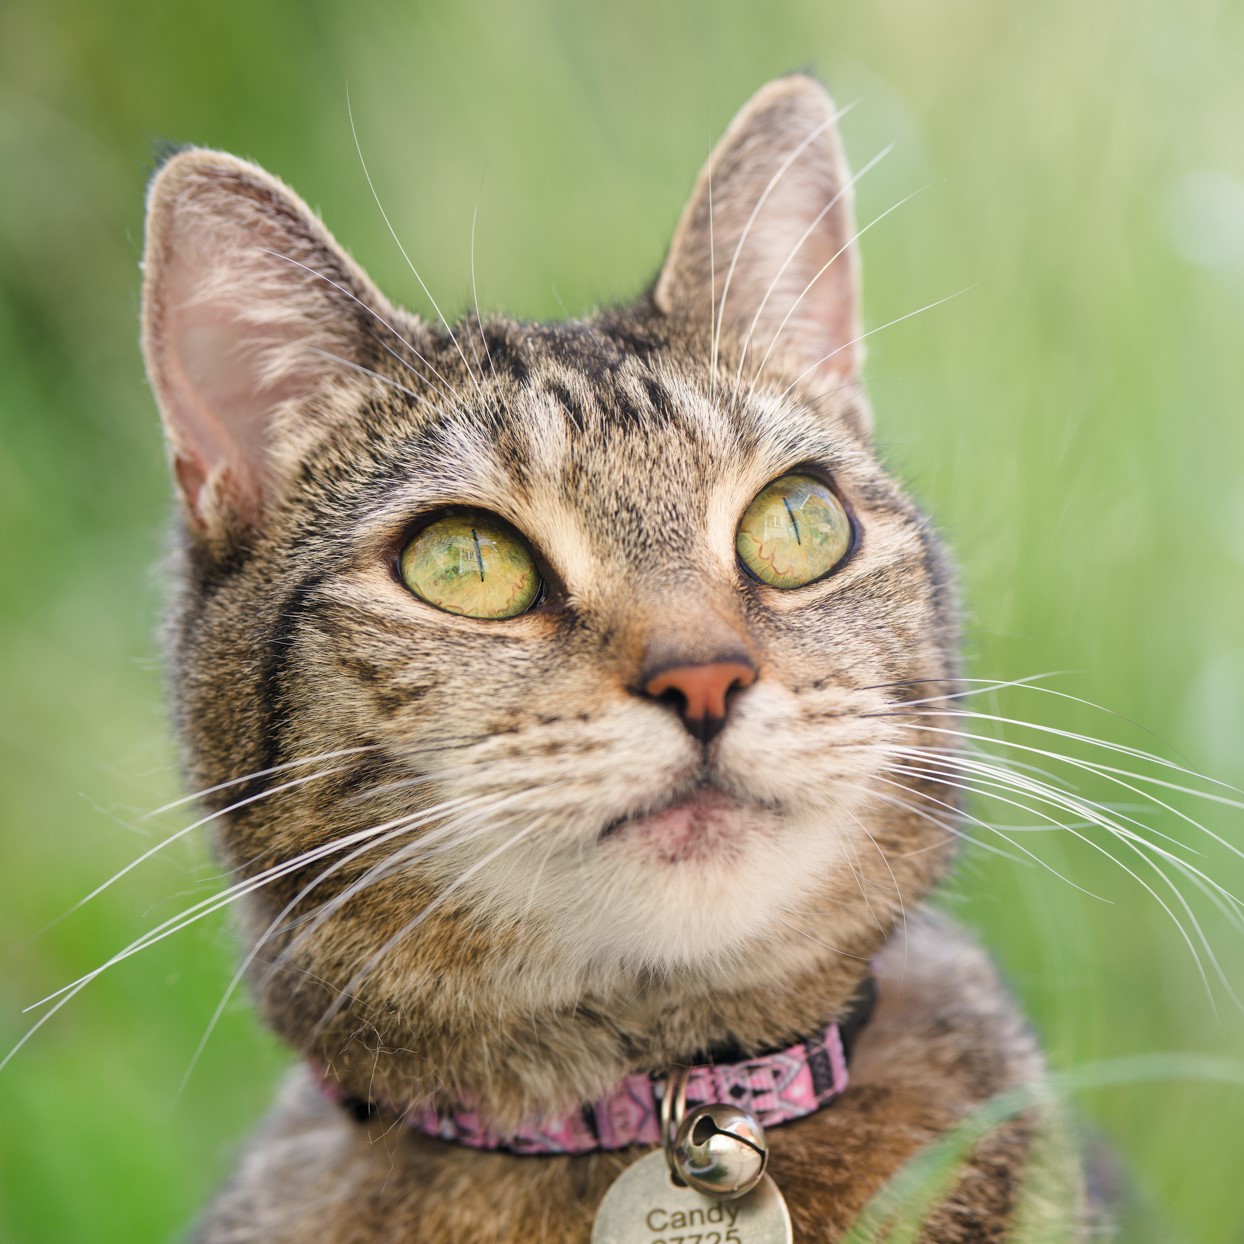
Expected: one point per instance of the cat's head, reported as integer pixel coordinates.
(564, 658)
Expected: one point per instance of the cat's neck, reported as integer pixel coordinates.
(522, 1047)
(515, 1017)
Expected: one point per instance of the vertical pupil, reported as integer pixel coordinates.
(793, 523)
(479, 554)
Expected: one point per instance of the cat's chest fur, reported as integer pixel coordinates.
(559, 692)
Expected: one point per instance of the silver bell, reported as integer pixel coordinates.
(720, 1151)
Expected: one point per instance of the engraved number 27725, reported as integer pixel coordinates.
(707, 1237)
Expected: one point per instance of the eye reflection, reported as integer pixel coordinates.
(794, 532)
(473, 565)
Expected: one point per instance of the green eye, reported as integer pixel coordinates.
(473, 565)
(794, 532)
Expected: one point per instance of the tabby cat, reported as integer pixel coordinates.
(568, 664)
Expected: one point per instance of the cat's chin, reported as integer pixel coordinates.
(704, 824)
(705, 878)
(698, 824)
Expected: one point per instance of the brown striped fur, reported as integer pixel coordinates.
(310, 423)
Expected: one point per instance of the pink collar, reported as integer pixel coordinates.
(776, 1088)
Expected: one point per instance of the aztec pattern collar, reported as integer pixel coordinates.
(776, 1087)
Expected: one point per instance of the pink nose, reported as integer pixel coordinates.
(699, 692)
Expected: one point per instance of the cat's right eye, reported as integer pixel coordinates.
(474, 565)
(794, 532)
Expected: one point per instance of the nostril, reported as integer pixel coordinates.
(736, 684)
(675, 699)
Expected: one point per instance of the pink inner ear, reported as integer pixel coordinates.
(190, 476)
(214, 406)
(795, 286)
(247, 302)
(243, 333)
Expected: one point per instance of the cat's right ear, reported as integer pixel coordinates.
(250, 310)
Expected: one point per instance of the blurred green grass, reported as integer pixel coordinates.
(1073, 423)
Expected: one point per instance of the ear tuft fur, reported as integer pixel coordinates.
(163, 150)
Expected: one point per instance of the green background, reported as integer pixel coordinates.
(1073, 422)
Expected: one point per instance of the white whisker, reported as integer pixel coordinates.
(846, 345)
(258, 773)
(1126, 837)
(993, 829)
(204, 820)
(475, 299)
(846, 954)
(447, 389)
(347, 991)
(392, 830)
(996, 777)
(175, 924)
(902, 906)
(1111, 773)
(1121, 748)
(487, 812)
(712, 289)
(375, 375)
(820, 272)
(393, 234)
(846, 188)
(780, 172)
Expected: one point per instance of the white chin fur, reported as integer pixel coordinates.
(706, 910)
(620, 903)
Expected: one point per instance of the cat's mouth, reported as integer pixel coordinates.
(694, 822)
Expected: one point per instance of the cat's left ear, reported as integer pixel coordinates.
(766, 245)
(251, 312)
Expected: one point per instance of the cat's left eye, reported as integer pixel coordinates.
(794, 532)
(474, 565)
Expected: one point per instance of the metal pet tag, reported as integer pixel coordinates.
(645, 1206)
